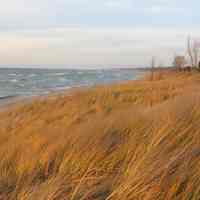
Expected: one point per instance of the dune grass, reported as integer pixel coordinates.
(129, 141)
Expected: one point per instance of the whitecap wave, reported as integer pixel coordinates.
(14, 80)
(32, 75)
(58, 74)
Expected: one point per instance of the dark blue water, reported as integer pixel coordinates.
(29, 82)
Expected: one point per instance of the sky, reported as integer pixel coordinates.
(95, 33)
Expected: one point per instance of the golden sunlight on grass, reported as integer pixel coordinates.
(130, 141)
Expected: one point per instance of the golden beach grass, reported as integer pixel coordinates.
(130, 141)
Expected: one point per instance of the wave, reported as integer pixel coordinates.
(28, 82)
(62, 88)
(14, 80)
(62, 80)
(32, 75)
(8, 97)
(58, 74)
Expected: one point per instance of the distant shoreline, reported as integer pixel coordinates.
(33, 67)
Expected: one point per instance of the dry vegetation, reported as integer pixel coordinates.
(132, 141)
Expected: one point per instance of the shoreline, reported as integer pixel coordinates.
(6, 102)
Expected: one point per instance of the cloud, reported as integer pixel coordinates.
(18, 14)
(85, 32)
(92, 46)
(119, 4)
(160, 9)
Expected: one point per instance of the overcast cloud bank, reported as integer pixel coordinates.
(90, 33)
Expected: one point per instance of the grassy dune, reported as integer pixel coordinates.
(130, 141)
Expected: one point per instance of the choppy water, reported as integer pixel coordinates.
(29, 82)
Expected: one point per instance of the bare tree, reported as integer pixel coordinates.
(193, 50)
(153, 61)
(190, 51)
(196, 52)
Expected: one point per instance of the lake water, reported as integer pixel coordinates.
(31, 82)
